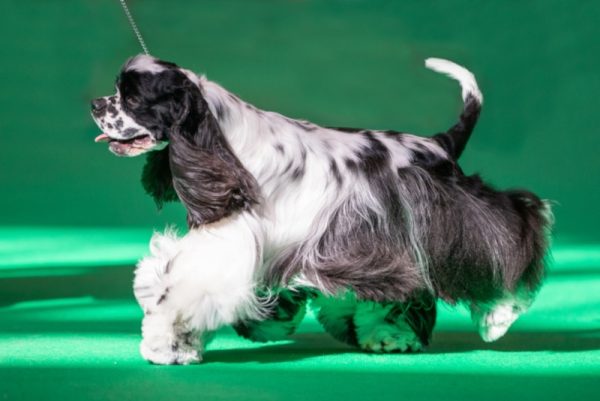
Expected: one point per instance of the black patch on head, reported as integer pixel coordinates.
(119, 123)
(109, 125)
(158, 98)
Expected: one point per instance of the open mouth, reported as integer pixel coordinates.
(131, 146)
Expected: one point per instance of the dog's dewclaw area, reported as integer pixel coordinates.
(70, 330)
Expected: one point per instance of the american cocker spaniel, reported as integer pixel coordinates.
(372, 227)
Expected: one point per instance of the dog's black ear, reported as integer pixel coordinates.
(157, 179)
(209, 179)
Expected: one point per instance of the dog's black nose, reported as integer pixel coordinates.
(98, 105)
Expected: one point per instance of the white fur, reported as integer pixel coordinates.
(462, 75)
(144, 63)
(196, 283)
(494, 319)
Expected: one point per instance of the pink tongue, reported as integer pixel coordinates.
(102, 138)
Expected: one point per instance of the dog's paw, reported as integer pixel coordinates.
(169, 342)
(377, 332)
(175, 354)
(389, 338)
(495, 323)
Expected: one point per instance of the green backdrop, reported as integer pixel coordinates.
(349, 63)
(74, 218)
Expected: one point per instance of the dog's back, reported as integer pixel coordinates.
(413, 221)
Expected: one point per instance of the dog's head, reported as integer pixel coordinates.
(152, 99)
(159, 109)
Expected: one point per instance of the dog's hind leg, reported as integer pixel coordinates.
(494, 317)
(189, 287)
(284, 316)
(379, 326)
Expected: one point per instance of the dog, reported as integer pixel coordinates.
(372, 227)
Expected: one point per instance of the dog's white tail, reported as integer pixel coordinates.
(455, 139)
(461, 74)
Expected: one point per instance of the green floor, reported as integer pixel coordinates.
(69, 330)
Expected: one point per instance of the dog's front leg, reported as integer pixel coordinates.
(191, 286)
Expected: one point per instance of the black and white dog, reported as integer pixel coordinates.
(371, 226)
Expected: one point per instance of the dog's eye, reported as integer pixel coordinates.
(132, 101)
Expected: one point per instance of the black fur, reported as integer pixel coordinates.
(157, 179)
(207, 176)
(420, 314)
(198, 165)
(336, 171)
(287, 313)
(456, 215)
(374, 157)
(337, 315)
(455, 139)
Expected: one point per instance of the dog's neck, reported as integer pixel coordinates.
(239, 121)
(263, 141)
